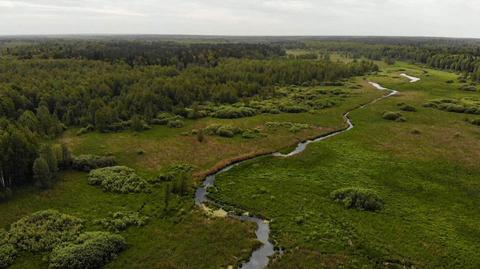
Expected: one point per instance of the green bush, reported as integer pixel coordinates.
(394, 116)
(85, 130)
(358, 198)
(407, 107)
(90, 250)
(173, 172)
(43, 230)
(468, 88)
(234, 112)
(8, 254)
(175, 124)
(290, 108)
(89, 162)
(120, 221)
(225, 131)
(474, 121)
(119, 179)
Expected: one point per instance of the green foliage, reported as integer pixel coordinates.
(465, 105)
(85, 130)
(393, 116)
(175, 124)
(174, 171)
(358, 198)
(406, 107)
(230, 112)
(469, 88)
(293, 108)
(41, 173)
(8, 254)
(90, 250)
(63, 155)
(119, 179)
(89, 162)
(44, 230)
(200, 135)
(138, 124)
(120, 221)
(228, 131)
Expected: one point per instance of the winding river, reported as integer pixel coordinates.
(261, 257)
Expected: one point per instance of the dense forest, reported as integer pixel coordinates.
(46, 87)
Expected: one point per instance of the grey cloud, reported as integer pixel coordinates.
(242, 17)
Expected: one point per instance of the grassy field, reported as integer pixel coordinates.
(425, 169)
(182, 237)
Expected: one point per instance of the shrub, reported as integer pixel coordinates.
(468, 88)
(120, 221)
(394, 116)
(474, 121)
(358, 198)
(89, 162)
(8, 254)
(234, 112)
(118, 179)
(43, 230)
(173, 172)
(175, 124)
(406, 107)
(85, 130)
(293, 108)
(90, 250)
(225, 131)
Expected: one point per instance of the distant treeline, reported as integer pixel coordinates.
(459, 55)
(136, 53)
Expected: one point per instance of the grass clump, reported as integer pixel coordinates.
(119, 179)
(407, 107)
(362, 199)
(120, 221)
(89, 250)
(393, 116)
(44, 230)
(89, 162)
(234, 112)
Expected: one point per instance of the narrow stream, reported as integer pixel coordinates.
(261, 257)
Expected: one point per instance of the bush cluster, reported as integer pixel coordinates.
(172, 172)
(120, 221)
(90, 250)
(362, 199)
(119, 179)
(43, 230)
(406, 107)
(230, 131)
(469, 88)
(175, 124)
(393, 116)
(8, 254)
(293, 108)
(230, 112)
(467, 106)
(89, 162)
(474, 121)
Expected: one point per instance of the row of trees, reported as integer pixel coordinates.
(136, 53)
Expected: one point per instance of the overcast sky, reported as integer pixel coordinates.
(453, 18)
